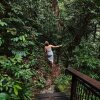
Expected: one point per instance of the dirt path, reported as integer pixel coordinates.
(50, 78)
(55, 72)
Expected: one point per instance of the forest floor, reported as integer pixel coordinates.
(50, 87)
(50, 78)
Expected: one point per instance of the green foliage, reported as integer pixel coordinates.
(4, 96)
(85, 59)
(2, 9)
(80, 30)
(3, 23)
(9, 86)
(12, 31)
(1, 41)
(16, 88)
(21, 51)
(40, 83)
(62, 83)
(17, 48)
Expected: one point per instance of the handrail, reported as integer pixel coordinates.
(83, 87)
(85, 78)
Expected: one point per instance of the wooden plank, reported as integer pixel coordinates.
(52, 96)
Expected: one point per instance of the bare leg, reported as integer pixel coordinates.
(52, 63)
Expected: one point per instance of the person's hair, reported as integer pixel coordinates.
(46, 43)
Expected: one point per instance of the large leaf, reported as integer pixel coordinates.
(3, 23)
(16, 89)
(4, 96)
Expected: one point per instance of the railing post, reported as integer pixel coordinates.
(73, 88)
(83, 87)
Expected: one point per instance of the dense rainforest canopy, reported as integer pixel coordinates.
(24, 27)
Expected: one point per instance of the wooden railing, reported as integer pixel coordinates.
(83, 87)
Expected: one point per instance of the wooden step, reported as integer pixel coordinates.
(52, 96)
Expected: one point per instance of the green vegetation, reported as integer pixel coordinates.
(26, 24)
(62, 83)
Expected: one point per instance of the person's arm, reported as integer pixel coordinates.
(56, 46)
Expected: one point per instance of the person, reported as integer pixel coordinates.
(49, 53)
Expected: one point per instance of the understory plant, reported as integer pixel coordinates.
(86, 59)
(62, 83)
